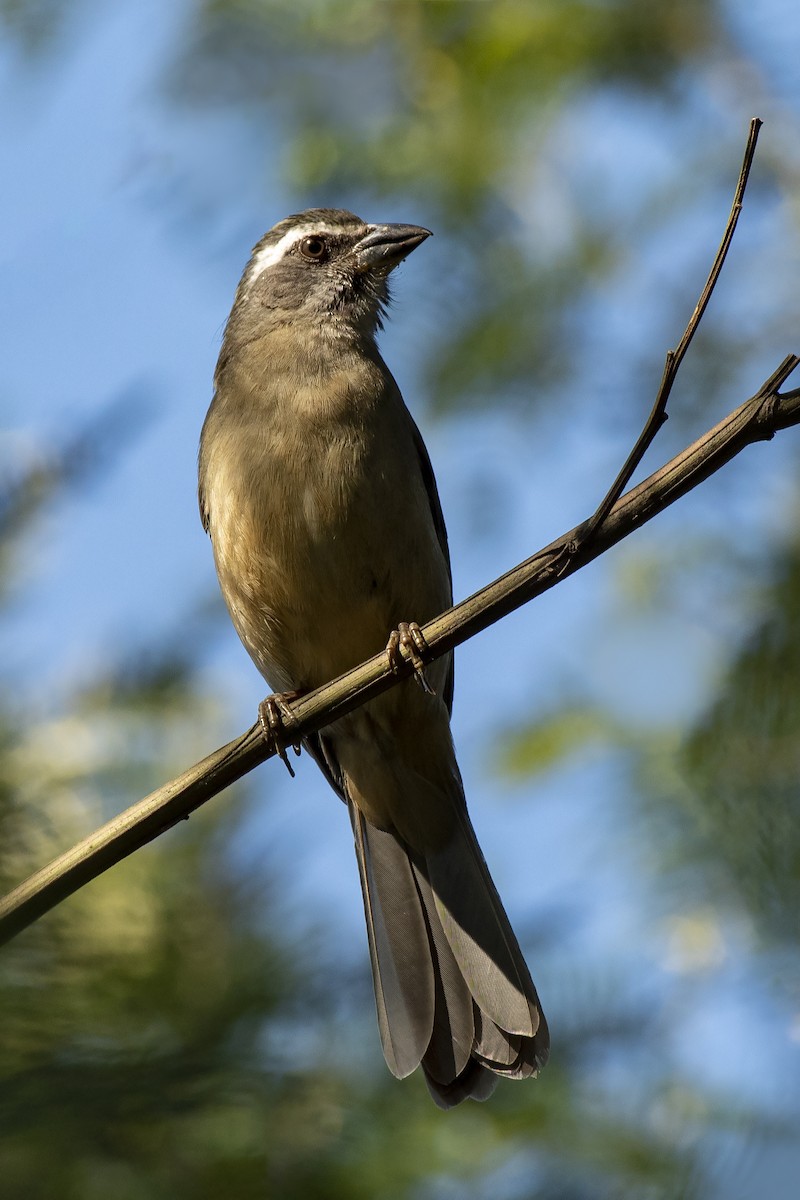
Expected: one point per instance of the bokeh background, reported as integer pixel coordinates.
(199, 1022)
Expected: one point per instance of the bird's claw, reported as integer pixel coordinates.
(276, 720)
(409, 637)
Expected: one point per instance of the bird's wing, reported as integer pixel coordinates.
(429, 479)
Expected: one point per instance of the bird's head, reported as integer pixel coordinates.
(324, 266)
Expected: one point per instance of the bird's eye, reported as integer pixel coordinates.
(314, 248)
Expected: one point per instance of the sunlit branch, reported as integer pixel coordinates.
(756, 420)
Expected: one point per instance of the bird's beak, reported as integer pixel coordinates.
(384, 246)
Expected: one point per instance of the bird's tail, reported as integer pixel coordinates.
(452, 989)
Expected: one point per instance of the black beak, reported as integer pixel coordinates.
(384, 246)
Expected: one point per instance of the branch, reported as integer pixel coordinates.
(618, 515)
(658, 413)
(758, 419)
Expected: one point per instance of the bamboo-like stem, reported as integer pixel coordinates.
(616, 517)
(758, 419)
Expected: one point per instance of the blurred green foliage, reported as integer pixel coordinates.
(743, 764)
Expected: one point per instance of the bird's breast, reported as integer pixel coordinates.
(322, 533)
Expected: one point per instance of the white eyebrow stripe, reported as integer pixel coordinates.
(269, 255)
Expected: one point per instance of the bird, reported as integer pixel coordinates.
(328, 538)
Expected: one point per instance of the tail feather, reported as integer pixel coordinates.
(474, 1083)
(452, 988)
(480, 935)
(493, 1046)
(453, 1036)
(399, 947)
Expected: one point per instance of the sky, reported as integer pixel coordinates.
(127, 222)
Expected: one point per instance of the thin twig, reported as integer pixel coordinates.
(756, 420)
(658, 413)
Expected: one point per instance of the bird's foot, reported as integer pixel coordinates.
(409, 637)
(276, 720)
